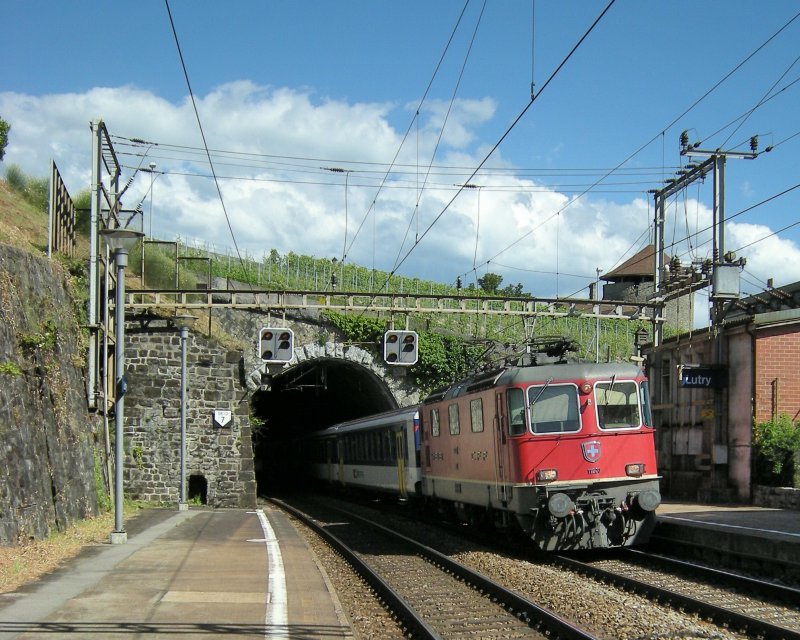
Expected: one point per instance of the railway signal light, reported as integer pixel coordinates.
(276, 344)
(400, 347)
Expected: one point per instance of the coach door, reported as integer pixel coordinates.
(400, 457)
(501, 449)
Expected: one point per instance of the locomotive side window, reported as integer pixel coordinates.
(554, 408)
(435, 423)
(455, 427)
(617, 405)
(476, 414)
(647, 415)
(516, 411)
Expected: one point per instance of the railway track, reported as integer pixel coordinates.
(750, 606)
(431, 595)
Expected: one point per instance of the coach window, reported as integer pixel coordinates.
(554, 408)
(617, 405)
(455, 427)
(516, 411)
(476, 414)
(435, 423)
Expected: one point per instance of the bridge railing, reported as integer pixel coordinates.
(272, 300)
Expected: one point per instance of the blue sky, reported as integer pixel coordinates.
(298, 86)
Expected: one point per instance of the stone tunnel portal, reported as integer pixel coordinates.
(310, 396)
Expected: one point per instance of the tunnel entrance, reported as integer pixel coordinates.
(308, 397)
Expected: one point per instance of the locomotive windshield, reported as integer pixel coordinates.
(554, 408)
(617, 404)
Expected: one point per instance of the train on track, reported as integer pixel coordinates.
(565, 450)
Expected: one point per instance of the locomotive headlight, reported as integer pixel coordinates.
(546, 475)
(586, 387)
(636, 469)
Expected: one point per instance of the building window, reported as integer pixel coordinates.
(664, 393)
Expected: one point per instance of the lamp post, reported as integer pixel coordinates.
(152, 179)
(184, 322)
(597, 320)
(119, 242)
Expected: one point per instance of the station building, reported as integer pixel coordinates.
(710, 386)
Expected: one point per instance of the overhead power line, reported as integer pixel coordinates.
(203, 135)
(502, 138)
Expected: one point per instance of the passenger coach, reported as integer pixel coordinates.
(379, 452)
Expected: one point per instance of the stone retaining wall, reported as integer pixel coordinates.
(47, 437)
(776, 497)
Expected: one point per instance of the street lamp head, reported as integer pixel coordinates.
(152, 166)
(120, 239)
(185, 320)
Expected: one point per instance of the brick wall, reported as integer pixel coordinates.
(777, 372)
(219, 459)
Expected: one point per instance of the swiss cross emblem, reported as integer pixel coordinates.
(591, 450)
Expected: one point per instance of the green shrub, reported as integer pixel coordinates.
(16, 179)
(776, 443)
(34, 190)
(10, 369)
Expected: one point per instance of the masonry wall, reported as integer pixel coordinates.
(219, 465)
(777, 386)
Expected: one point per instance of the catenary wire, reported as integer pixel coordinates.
(203, 135)
(649, 142)
(502, 138)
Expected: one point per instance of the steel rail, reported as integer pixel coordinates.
(763, 587)
(527, 611)
(385, 593)
(733, 619)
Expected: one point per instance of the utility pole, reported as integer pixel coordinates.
(725, 269)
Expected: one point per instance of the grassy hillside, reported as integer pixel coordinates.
(21, 224)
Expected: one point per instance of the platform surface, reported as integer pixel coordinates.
(783, 524)
(758, 540)
(192, 574)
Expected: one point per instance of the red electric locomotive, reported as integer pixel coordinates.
(566, 449)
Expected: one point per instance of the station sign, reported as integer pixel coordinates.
(703, 376)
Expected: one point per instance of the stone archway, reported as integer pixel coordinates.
(322, 385)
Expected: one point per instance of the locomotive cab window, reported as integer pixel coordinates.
(554, 408)
(516, 411)
(617, 405)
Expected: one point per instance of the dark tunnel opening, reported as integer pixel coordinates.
(311, 396)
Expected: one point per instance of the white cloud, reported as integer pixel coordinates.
(282, 198)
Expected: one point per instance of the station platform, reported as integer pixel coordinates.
(191, 574)
(750, 538)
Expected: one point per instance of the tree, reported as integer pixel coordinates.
(490, 282)
(4, 129)
(512, 290)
